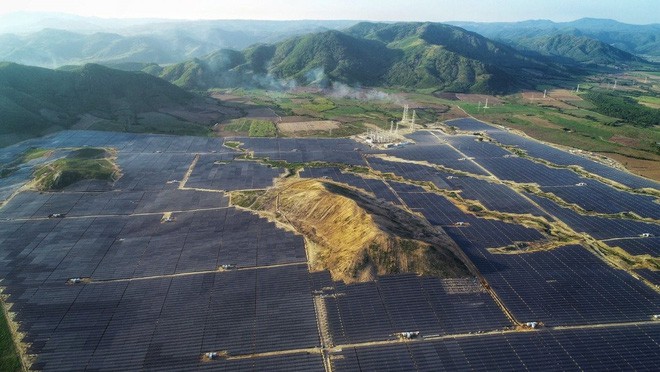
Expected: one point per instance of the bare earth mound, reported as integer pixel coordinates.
(357, 237)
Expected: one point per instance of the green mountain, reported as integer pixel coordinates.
(403, 55)
(35, 101)
(449, 58)
(332, 55)
(582, 49)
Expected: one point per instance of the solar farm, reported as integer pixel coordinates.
(161, 269)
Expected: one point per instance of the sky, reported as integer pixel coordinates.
(628, 11)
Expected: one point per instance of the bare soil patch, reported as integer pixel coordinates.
(642, 167)
(564, 95)
(626, 141)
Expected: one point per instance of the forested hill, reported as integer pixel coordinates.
(401, 55)
(35, 100)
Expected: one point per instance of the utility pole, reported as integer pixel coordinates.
(412, 123)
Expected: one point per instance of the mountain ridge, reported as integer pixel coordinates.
(411, 55)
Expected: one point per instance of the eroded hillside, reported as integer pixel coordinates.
(356, 236)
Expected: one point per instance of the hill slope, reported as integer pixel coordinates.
(35, 101)
(582, 49)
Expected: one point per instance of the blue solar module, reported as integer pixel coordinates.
(440, 154)
(540, 150)
(650, 275)
(413, 172)
(564, 286)
(493, 196)
(212, 173)
(487, 233)
(638, 246)
(116, 247)
(598, 227)
(291, 362)
(595, 196)
(471, 125)
(616, 348)
(124, 142)
(297, 150)
(400, 303)
(472, 147)
(159, 298)
(131, 325)
(526, 171)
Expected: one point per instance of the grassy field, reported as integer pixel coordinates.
(262, 128)
(238, 126)
(9, 359)
(81, 164)
(250, 127)
(653, 102)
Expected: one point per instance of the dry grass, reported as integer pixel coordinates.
(552, 101)
(476, 98)
(307, 126)
(356, 237)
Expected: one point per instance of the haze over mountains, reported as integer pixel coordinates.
(54, 40)
(199, 55)
(635, 39)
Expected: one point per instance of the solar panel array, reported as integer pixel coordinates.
(597, 197)
(598, 227)
(167, 323)
(212, 173)
(566, 285)
(542, 151)
(438, 153)
(299, 150)
(399, 303)
(158, 297)
(616, 348)
(638, 245)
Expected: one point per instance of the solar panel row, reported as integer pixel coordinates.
(401, 303)
(627, 348)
